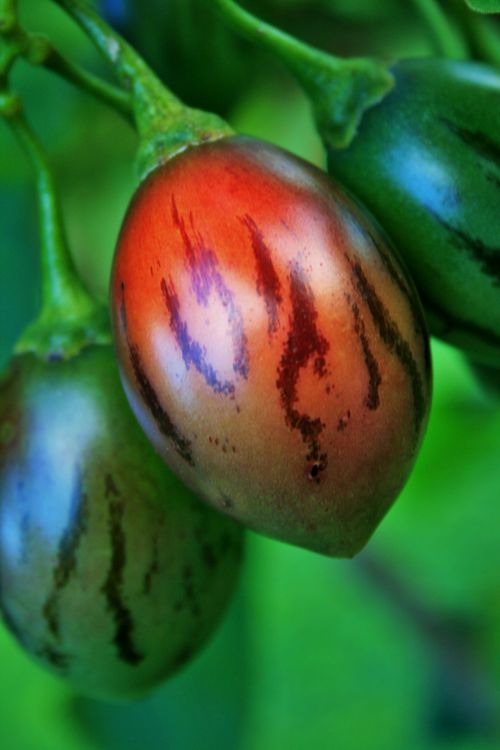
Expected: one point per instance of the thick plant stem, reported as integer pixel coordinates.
(165, 125)
(69, 318)
(340, 90)
(447, 38)
(134, 74)
(290, 50)
(61, 288)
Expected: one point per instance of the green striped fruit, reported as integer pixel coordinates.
(426, 163)
(112, 574)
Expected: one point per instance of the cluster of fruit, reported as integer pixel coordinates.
(272, 345)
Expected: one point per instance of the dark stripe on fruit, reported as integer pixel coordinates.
(122, 312)
(391, 336)
(181, 444)
(57, 659)
(487, 256)
(268, 283)
(304, 343)
(390, 266)
(112, 587)
(482, 144)
(493, 178)
(193, 353)
(419, 322)
(110, 487)
(154, 566)
(372, 399)
(66, 562)
(205, 276)
(190, 591)
(208, 555)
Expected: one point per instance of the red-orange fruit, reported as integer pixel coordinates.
(270, 344)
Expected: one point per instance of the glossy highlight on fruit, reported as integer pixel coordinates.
(270, 344)
(112, 573)
(426, 163)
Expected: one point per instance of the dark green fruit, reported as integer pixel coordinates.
(112, 574)
(426, 162)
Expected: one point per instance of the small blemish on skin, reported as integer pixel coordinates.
(226, 501)
(344, 421)
(315, 470)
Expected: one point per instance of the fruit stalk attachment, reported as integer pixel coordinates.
(165, 125)
(69, 318)
(340, 89)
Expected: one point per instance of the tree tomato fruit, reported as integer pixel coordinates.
(270, 344)
(426, 162)
(112, 573)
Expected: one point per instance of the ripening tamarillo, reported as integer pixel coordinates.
(270, 344)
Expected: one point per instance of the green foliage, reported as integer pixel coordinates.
(484, 6)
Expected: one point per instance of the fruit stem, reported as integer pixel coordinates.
(38, 50)
(447, 38)
(69, 318)
(166, 126)
(340, 89)
(485, 37)
(107, 93)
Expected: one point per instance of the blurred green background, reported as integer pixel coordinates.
(397, 649)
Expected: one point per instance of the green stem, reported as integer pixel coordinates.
(166, 126)
(107, 93)
(61, 289)
(340, 90)
(485, 37)
(69, 318)
(38, 50)
(447, 38)
(8, 15)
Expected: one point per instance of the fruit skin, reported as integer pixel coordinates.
(426, 162)
(270, 345)
(112, 574)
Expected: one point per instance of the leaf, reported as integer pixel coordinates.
(484, 6)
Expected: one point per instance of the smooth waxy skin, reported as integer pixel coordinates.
(426, 162)
(270, 345)
(112, 574)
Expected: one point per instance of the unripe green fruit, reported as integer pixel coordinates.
(112, 574)
(426, 162)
